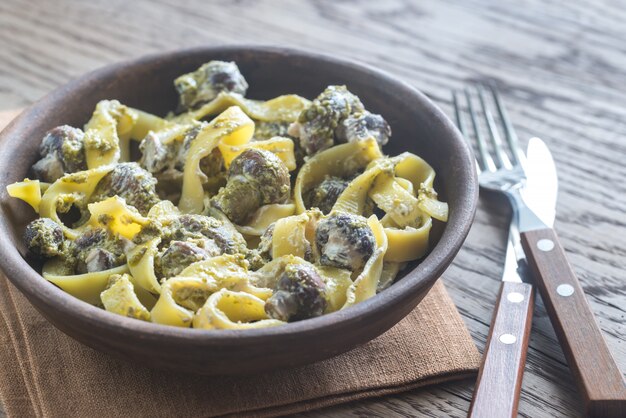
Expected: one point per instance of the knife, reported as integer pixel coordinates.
(600, 381)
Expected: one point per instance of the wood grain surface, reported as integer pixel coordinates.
(560, 66)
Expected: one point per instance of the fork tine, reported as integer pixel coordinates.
(486, 160)
(502, 158)
(511, 136)
(461, 124)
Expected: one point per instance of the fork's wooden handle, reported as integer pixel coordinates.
(500, 377)
(591, 363)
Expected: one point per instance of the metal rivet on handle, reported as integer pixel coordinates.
(515, 297)
(565, 290)
(545, 244)
(507, 338)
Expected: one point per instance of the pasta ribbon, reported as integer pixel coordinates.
(265, 216)
(144, 122)
(163, 210)
(289, 237)
(120, 298)
(413, 168)
(119, 218)
(337, 281)
(110, 121)
(282, 147)
(141, 265)
(86, 287)
(233, 310)
(408, 243)
(183, 295)
(428, 203)
(388, 275)
(75, 187)
(366, 283)
(285, 108)
(391, 184)
(354, 197)
(295, 235)
(168, 312)
(28, 190)
(226, 271)
(232, 127)
(267, 276)
(394, 199)
(342, 161)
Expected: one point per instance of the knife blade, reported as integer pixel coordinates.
(540, 195)
(515, 266)
(541, 187)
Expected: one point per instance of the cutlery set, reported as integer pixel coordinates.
(534, 257)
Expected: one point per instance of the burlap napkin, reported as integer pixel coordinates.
(45, 373)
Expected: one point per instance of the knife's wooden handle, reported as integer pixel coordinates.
(591, 363)
(500, 377)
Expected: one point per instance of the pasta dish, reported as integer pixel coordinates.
(228, 213)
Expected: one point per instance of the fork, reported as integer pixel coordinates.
(531, 238)
(500, 376)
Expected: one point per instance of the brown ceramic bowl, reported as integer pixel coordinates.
(418, 126)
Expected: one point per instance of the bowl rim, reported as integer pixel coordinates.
(30, 282)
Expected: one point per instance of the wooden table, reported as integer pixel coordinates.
(561, 69)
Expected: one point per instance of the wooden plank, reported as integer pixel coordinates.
(559, 65)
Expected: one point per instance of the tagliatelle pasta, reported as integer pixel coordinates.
(342, 160)
(110, 122)
(141, 265)
(87, 286)
(120, 298)
(114, 215)
(28, 190)
(283, 108)
(281, 147)
(183, 295)
(232, 127)
(265, 216)
(75, 188)
(238, 214)
(233, 310)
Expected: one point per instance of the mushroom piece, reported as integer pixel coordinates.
(265, 243)
(97, 259)
(96, 250)
(131, 182)
(299, 294)
(204, 84)
(44, 237)
(155, 155)
(262, 254)
(63, 151)
(255, 178)
(177, 257)
(210, 234)
(361, 126)
(165, 159)
(344, 240)
(325, 194)
(316, 124)
(266, 130)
